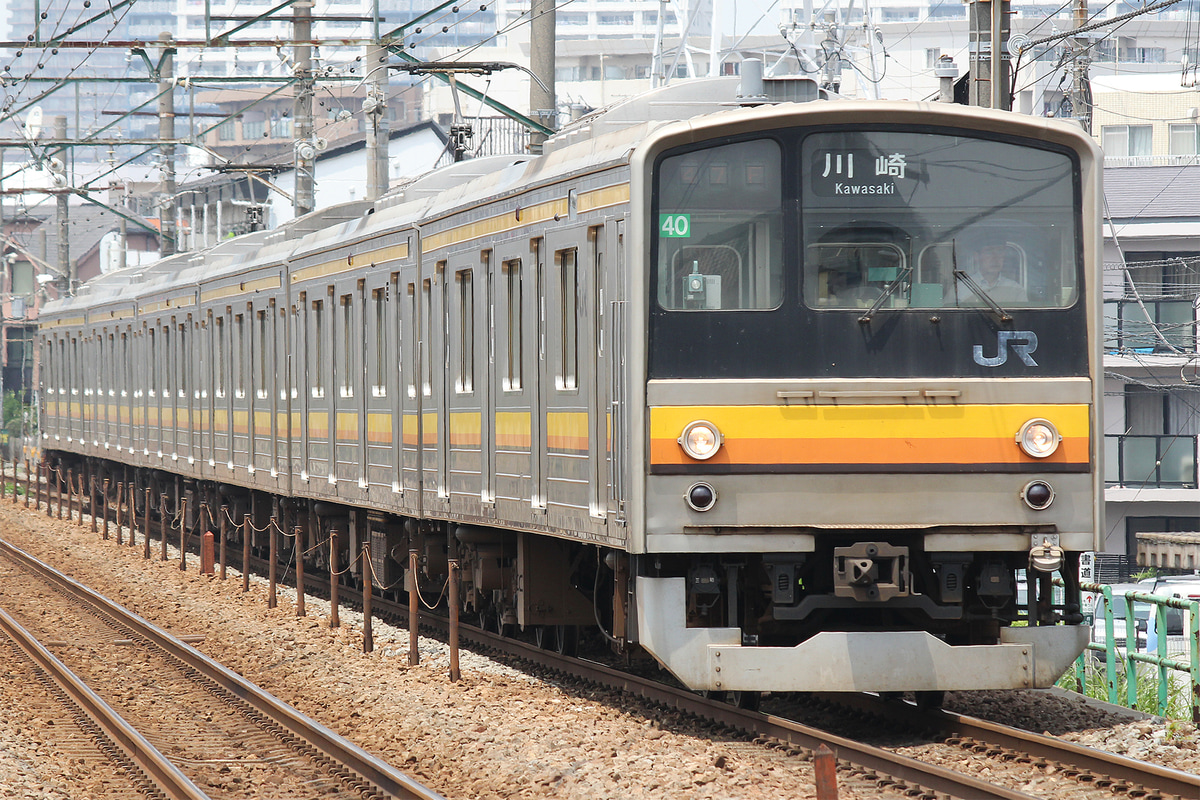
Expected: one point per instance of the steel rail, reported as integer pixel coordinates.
(903, 768)
(382, 775)
(1088, 760)
(167, 777)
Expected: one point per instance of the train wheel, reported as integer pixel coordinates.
(747, 700)
(928, 701)
(543, 637)
(566, 640)
(712, 695)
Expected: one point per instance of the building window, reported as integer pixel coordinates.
(226, 132)
(1124, 141)
(254, 128)
(1184, 139)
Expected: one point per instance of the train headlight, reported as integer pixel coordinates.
(701, 440)
(1038, 438)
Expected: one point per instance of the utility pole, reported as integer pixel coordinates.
(541, 63)
(375, 108)
(65, 282)
(1081, 87)
(306, 153)
(166, 132)
(990, 64)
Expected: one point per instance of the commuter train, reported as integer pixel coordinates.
(724, 374)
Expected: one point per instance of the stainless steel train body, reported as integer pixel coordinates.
(715, 375)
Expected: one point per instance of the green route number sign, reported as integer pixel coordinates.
(675, 226)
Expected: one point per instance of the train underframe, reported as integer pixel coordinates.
(865, 611)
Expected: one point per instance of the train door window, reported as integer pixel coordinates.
(184, 360)
(152, 364)
(378, 382)
(427, 361)
(317, 378)
(464, 382)
(168, 352)
(218, 333)
(125, 362)
(263, 350)
(412, 316)
(720, 228)
(568, 314)
(513, 324)
(239, 355)
(347, 370)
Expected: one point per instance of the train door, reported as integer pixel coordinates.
(125, 410)
(567, 366)
(154, 390)
(376, 443)
(485, 361)
(185, 421)
(431, 423)
(463, 447)
(511, 416)
(538, 373)
(617, 359)
(599, 245)
(412, 367)
(263, 390)
(346, 411)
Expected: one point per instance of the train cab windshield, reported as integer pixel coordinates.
(887, 218)
(930, 221)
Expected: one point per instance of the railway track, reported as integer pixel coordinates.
(181, 725)
(1102, 774)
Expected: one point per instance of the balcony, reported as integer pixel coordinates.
(1126, 327)
(1143, 462)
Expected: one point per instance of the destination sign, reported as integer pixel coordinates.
(851, 173)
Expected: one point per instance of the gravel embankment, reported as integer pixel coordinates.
(497, 733)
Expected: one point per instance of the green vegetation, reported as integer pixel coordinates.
(19, 416)
(1178, 697)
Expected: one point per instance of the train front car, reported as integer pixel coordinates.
(871, 388)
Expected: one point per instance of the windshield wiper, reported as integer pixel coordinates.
(960, 275)
(887, 292)
(987, 298)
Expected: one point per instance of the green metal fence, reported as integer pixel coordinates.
(1128, 655)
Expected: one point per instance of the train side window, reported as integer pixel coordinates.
(347, 369)
(720, 228)
(568, 350)
(239, 355)
(464, 381)
(379, 302)
(513, 322)
(318, 349)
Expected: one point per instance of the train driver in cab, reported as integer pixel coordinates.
(995, 265)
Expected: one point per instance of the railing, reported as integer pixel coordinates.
(1150, 461)
(1161, 160)
(1163, 661)
(1128, 327)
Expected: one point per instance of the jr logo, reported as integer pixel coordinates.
(1023, 343)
